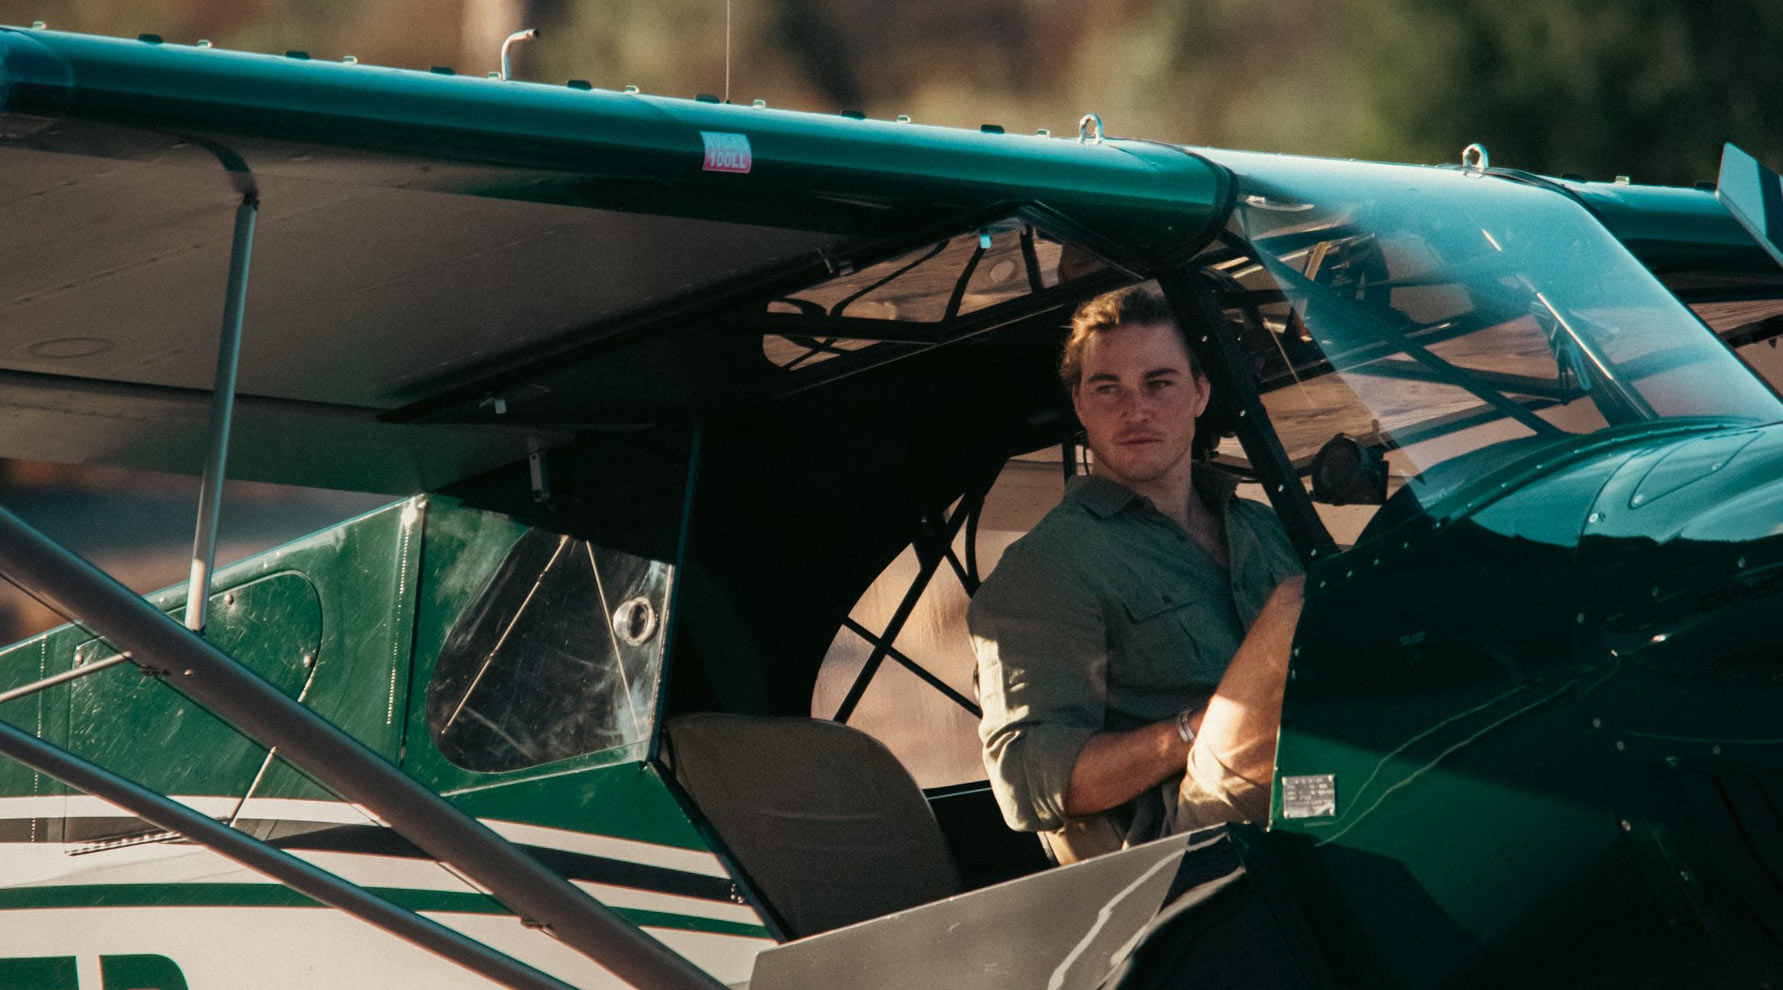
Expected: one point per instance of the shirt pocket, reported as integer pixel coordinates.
(1166, 646)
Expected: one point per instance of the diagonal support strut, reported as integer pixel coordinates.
(222, 414)
(256, 855)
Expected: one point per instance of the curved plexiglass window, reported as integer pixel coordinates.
(558, 655)
(1434, 314)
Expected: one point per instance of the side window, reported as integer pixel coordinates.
(1427, 346)
(909, 682)
(557, 656)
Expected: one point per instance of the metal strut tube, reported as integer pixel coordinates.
(160, 645)
(62, 678)
(222, 413)
(295, 873)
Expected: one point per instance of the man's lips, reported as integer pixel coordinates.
(1138, 438)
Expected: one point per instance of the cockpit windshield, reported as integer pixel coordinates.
(1430, 313)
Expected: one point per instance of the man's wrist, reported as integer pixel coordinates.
(1185, 725)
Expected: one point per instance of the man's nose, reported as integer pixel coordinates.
(1136, 405)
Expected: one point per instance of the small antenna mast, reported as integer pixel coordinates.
(727, 51)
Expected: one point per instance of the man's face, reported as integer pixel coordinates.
(1138, 401)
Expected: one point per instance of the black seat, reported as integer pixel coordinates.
(829, 826)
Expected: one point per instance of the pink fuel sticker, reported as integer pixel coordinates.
(726, 152)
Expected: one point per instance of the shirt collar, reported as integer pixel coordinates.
(1105, 498)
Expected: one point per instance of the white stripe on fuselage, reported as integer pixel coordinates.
(277, 809)
(37, 863)
(303, 948)
(40, 864)
(341, 813)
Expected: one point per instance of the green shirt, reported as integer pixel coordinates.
(1106, 617)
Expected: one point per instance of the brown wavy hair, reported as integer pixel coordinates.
(1134, 305)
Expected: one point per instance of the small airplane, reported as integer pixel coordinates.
(665, 386)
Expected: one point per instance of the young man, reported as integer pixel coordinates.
(1133, 647)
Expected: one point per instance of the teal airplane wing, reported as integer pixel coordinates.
(422, 235)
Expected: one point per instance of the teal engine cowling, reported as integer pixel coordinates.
(1536, 731)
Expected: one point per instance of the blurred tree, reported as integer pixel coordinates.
(408, 33)
(1645, 88)
(1270, 77)
(1648, 88)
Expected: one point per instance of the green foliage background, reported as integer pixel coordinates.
(1601, 87)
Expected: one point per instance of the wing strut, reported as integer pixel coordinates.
(222, 412)
(159, 645)
(272, 861)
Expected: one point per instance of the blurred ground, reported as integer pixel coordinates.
(139, 525)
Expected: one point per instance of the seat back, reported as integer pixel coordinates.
(829, 826)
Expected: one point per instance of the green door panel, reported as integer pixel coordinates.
(364, 572)
(326, 618)
(134, 725)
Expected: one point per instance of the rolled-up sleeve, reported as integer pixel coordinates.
(1042, 648)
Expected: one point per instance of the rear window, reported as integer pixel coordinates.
(557, 656)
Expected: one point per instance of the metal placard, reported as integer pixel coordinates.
(1309, 796)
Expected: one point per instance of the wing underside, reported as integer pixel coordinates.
(421, 235)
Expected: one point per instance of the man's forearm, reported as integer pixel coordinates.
(1242, 717)
(1116, 767)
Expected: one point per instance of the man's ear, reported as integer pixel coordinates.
(1204, 387)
